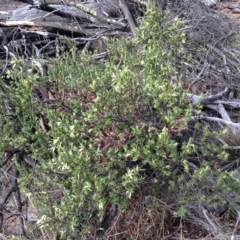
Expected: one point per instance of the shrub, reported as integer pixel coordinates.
(98, 131)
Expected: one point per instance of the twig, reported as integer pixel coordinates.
(226, 145)
(209, 220)
(236, 226)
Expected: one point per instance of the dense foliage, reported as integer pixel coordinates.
(98, 132)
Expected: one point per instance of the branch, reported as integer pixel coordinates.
(204, 100)
(209, 220)
(226, 145)
(67, 27)
(131, 20)
(97, 15)
(236, 226)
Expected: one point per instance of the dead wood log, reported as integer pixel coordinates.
(59, 26)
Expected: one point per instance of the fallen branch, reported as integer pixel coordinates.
(97, 15)
(127, 12)
(194, 99)
(60, 26)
